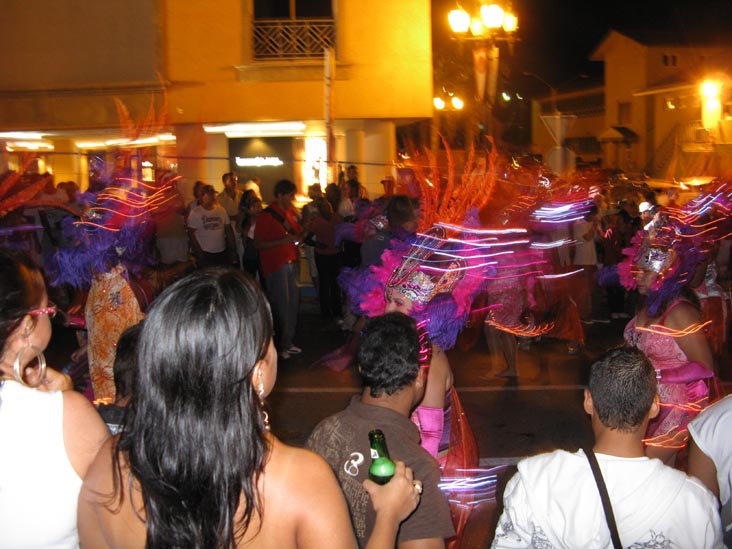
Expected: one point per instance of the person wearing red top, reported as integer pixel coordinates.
(277, 236)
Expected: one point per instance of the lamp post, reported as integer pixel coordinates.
(489, 25)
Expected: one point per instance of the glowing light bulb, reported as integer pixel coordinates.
(510, 22)
(710, 89)
(492, 15)
(459, 20)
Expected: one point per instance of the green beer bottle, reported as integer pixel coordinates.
(382, 467)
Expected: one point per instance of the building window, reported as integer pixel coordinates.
(625, 113)
(584, 146)
(292, 29)
(670, 60)
(292, 9)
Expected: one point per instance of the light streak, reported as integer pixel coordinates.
(458, 268)
(528, 273)
(478, 244)
(97, 225)
(457, 255)
(486, 308)
(551, 245)
(560, 275)
(138, 204)
(692, 407)
(481, 231)
(566, 220)
(465, 484)
(522, 330)
(676, 441)
(666, 331)
(524, 265)
(478, 486)
(19, 229)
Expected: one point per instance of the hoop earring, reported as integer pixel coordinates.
(18, 374)
(260, 393)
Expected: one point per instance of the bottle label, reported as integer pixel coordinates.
(374, 454)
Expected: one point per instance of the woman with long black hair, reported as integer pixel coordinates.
(195, 464)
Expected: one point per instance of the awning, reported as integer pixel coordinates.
(619, 134)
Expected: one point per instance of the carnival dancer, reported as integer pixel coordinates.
(668, 326)
(548, 281)
(113, 243)
(434, 280)
(509, 295)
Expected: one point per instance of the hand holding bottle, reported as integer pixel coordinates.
(397, 498)
(382, 467)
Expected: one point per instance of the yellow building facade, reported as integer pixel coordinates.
(208, 65)
(654, 108)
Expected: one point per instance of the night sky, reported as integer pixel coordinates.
(556, 37)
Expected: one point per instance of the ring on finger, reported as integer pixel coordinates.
(417, 486)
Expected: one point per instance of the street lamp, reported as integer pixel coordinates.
(490, 24)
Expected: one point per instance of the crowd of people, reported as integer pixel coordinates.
(179, 452)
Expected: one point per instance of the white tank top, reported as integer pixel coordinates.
(39, 488)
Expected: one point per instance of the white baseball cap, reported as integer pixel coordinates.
(644, 207)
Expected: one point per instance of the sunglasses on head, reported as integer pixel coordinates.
(50, 311)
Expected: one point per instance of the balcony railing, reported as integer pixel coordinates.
(694, 132)
(292, 38)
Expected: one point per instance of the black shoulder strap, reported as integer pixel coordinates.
(282, 221)
(606, 505)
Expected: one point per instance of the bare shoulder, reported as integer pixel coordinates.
(682, 315)
(76, 406)
(311, 510)
(84, 431)
(106, 516)
(295, 474)
(299, 468)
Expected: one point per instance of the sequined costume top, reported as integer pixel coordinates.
(680, 402)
